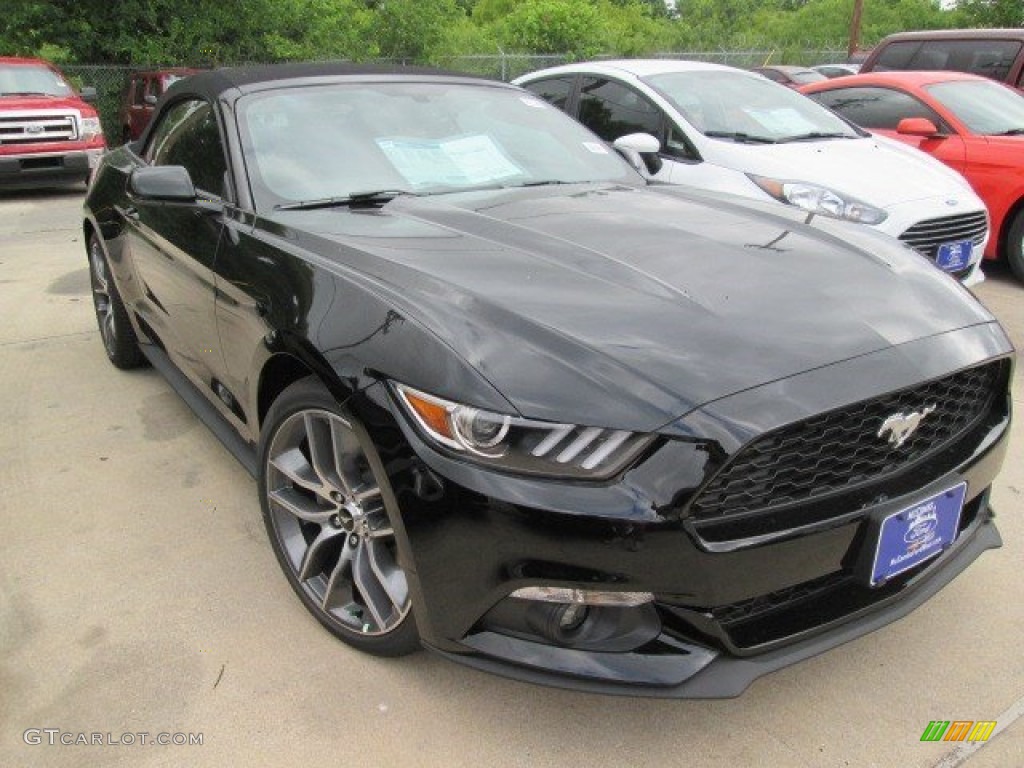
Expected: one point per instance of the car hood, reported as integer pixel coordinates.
(630, 307)
(874, 169)
(8, 103)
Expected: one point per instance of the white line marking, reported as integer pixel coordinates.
(965, 749)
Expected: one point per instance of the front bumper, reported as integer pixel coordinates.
(727, 609)
(44, 169)
(706, 674)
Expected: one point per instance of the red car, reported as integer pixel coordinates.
(141, 94)
(48, 133)
(971, 123)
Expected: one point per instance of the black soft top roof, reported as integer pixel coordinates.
(211, 83)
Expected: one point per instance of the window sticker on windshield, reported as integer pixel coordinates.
(461, 162)
(783, 120)
(532, 102)
(596, 148)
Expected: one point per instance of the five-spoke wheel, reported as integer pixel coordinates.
(118, 336)
(327, 517)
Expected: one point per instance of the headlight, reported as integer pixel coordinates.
(91, 128)
(823, 200)
(518, 444)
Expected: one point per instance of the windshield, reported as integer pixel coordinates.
(984, 107)
(421, 138)
(728, 103)
(31, 80)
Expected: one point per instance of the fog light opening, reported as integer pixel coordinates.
(572, 617)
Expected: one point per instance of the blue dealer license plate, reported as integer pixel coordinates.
(915, 534)
(952, 257)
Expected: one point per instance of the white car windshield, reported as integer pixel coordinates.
(746, 108)
(31, 80)
(342, 140)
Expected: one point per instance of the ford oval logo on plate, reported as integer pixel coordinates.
(921, 532)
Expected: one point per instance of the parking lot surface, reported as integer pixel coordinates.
(138, 594)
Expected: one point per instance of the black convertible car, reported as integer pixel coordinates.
(507, 400)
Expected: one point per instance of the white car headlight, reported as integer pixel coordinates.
(517, 444)
(90, 128)
(818, 199)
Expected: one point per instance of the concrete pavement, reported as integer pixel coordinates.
(138, 594)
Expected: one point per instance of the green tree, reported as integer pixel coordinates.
(554, 26)
(990, 13)
(410, 29)
(635, 27)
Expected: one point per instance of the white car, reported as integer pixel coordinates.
(728, 130)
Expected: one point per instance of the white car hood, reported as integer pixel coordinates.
(876, 170)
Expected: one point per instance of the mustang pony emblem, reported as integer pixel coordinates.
(901, 426)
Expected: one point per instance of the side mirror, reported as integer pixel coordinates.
(917, 126)
(150, 99)
(162, 182)
(88, 94)
(640, 150)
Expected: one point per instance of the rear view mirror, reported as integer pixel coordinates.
(88, 94)
(162, 182)
(640, 150)
(917, 126)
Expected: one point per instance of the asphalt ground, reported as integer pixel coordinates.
(138, 595)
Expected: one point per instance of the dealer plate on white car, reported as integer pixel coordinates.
(917, 533)
(952, 257)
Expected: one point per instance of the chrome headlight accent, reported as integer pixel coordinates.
(583, 596)
(822, 200)
(518, 444)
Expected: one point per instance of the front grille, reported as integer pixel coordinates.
(841, 449)
(37, 127)
(925, 237)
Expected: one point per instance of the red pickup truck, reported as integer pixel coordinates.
(49, 134)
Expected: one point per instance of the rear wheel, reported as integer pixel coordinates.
(119, 341)
(1015, 245)
(325, 505)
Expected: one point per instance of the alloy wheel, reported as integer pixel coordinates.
(101, 298)
(328, 513)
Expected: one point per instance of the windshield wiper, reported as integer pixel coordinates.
(1010, 132)
(813, 135)
(740, 137)
(28, 93)
(356, 198)
(541, 183)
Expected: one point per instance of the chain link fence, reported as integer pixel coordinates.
(111, 81)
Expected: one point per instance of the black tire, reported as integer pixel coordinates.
(1015, 245)
(116, 332)
(331, 521)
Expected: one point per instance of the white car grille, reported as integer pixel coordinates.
(925, 237)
